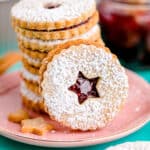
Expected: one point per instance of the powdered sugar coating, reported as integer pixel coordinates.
(131, 146)
(35, 11)
(31, 60)
(94, 30)
(29, 94)
(29, 76)
(62, 72)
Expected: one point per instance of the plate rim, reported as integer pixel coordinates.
(76, 143)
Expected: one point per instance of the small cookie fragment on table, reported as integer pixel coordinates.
(18, 116)
(36, 126)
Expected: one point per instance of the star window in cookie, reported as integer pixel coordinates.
(85, 88)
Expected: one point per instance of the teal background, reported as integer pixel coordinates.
(141, 135)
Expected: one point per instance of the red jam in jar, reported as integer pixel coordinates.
(126, 28)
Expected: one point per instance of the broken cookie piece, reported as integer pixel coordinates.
(36, 126)
(18, 116)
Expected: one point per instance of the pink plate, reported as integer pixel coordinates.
(133, 116)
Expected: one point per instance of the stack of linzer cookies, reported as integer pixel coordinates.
(44, 24)
(54, 37)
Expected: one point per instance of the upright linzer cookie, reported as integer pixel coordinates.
(83, 85)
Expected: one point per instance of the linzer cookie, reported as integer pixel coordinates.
(30, 99)
(33, 54)
(34, 87)
(36, 63)
(44, 46)
(30, 68)
(32, 105)
(60, 34)
(83, 85)
(26, 75)
(51, 14)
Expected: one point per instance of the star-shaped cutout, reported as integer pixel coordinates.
(85, 88)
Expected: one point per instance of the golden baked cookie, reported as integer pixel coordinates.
(30, 99)
(51, 14)
(34, 87)
(36, 63)
(18, 116)
(44, 46)
(30, 77)
(65, 33)
(35, 126)
(30, 68)
(36, 54)
(83, 85)
(31, 105)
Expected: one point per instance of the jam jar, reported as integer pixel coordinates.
(126, 28)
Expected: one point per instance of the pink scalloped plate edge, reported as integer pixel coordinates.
(133, 116)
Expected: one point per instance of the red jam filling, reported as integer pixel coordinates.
(125, 32)
(63, 29)
(122, 30)
(85, 88)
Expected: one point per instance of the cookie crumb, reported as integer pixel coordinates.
(18, 116)
(36, 126)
